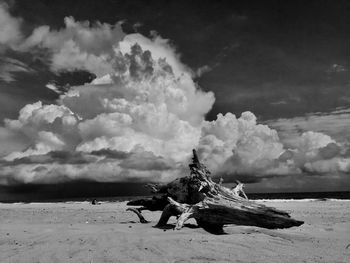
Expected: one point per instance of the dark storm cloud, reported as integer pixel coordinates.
(244, 178)
(108, 153)
(301, 183)
(61, 157)
(138, 160)
(143, 161)
(146, 161)
(330, 151)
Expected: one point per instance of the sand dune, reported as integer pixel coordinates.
(80, 232)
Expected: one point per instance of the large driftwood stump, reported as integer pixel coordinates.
(212, 205)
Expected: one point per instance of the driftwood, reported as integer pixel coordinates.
(211, 204)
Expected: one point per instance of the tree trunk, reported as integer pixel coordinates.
(210, 204)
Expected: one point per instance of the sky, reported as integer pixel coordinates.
(122, 91)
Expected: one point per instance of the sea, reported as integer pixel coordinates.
(344, 195)
(116, 192)
(299, 196)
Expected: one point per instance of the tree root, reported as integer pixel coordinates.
(138, 213)
(212, 205)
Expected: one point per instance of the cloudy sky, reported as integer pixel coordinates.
(122, 91)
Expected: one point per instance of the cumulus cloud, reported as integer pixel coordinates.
(234, 146)
(336, 124)
(310, 142)
(79, 45)
(324, 150)
(140, 119)
(145, 105)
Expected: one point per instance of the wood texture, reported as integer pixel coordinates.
(212, 205)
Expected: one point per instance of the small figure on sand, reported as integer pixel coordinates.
(94, 202)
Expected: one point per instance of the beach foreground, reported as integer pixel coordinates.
(81, 232)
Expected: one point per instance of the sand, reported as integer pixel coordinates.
(81, 232)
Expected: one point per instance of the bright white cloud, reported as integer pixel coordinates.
(236, 146)
(310, 142)
(147, 104)
(79, 45)
(141, 117)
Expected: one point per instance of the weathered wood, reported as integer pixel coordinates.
(212, 205)
(156, 203)
(238, 190)
(138, 213)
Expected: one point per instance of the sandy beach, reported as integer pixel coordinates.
(81, 232)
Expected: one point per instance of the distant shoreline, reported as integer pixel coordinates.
(121, 201)
(299, 196)
(108, 191)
